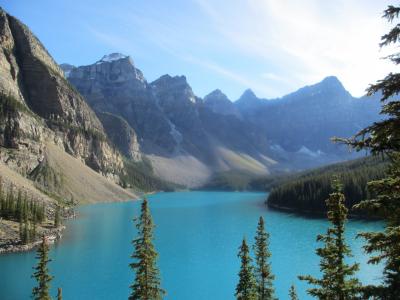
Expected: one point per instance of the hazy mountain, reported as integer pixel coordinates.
(304, 121)
(219, 103)
(188, 138)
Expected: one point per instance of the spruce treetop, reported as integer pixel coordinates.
(42, 276)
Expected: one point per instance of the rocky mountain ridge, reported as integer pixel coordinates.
(39, 107)
(214, 134)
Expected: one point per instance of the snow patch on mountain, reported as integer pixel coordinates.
(111, 57)
(304, 150)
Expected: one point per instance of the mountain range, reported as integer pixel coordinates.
(117, 129)
(187, 138)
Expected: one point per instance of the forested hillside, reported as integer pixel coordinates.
(307, 191)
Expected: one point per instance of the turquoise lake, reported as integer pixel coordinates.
(197, 237)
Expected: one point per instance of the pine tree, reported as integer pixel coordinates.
(338, 281)
(18, 214)
(246, 288)
(293, 293)
(59, 294)
(263, 273)
(385, 246)
(147, 284)
(57, 217)
(41, 291)
(383, 138)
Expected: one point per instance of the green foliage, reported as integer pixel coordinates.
(47, 177)
(147, 284)
(58, 122)
(57, 219)
(307, 191)
(42, 276)
(9, 109)
(338, 281)
(293, 293)
(229, 181)
(15, 206)
(246, 288)
(139, 175)
(384, 137)
(9, 106)
(263, 272)
(385, 246)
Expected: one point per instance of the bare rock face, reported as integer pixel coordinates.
(38, 104)
(219, 103)
(115, 85)
(121, 134)
(171, 123)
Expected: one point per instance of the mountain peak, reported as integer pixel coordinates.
(112, 57)
(216, 95)
(248, 94)
(332, 81)
(168, 80)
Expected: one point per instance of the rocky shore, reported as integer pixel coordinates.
(15, 245)
(10, 241)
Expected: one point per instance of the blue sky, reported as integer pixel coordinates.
(270, 46)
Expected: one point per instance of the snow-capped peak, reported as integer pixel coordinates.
(112, 57)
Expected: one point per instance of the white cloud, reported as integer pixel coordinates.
(290, 43)
(309, 39)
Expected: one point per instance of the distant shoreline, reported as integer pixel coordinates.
(318, 214)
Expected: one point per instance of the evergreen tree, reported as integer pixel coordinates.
(18, 214)
(57, 217)
(263, 273)
(385, 246)
(147, 278)
(246, 288)
(293, 293)
(384, 138)
(338, 281)
(59, 294)
(41, 291)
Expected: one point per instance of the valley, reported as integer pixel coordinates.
(199, 150)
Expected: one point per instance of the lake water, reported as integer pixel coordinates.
(197, 237)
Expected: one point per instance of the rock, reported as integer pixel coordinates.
(40, 104)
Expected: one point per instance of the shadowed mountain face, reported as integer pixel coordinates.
(51, 141)
(173, 126)
(38, 104)
(306, 119)
(179, 131)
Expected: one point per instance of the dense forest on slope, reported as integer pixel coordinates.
(307, 191)
(140, 176)
(229, 181)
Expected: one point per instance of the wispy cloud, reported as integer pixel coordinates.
(308, 39)
(270, 46)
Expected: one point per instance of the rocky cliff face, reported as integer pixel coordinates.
(172, 124)
(38, 104)
(178, 130)
(252, 135)
(219, 103)
(115, 85)
(121, 134)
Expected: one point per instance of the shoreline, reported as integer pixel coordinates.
(15, 246)
(52, 235)
(319, 214)
(55, 234)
